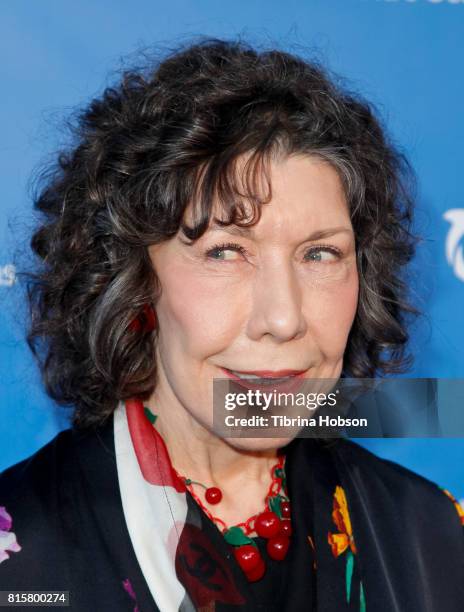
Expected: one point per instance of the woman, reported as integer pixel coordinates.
(227, 214)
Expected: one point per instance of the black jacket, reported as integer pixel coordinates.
(66, 512)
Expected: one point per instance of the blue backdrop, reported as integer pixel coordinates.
(403, 55)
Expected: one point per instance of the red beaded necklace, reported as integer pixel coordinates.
(273, 523)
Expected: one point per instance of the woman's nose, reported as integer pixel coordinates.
(276, 304)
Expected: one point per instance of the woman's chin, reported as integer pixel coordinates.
(257, 444)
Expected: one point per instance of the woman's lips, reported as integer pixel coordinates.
(270, 373)
(268, 380)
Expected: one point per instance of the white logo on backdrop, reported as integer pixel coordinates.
(7, 275)
(453, 247)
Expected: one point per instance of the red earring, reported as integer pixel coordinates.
(145, 322)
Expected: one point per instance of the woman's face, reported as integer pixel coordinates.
(280, 295)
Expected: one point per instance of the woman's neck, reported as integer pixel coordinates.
(198, 454)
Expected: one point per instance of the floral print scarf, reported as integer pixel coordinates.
(324, 567)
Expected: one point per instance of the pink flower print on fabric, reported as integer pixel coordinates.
(128, 587)
(7, 537)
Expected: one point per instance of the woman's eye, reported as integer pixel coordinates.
(230, 252)
(322, 254)
(225, 252)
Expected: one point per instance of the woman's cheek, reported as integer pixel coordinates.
(203, 308)
(331, 311)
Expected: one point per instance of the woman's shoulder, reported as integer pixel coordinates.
(63, 459)
(373, 482)
(389, 478)
(44, 469)
(39, 471)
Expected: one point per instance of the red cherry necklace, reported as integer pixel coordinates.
(273, 523)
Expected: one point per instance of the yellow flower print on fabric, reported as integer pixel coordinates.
(343, 542)
(339, 542)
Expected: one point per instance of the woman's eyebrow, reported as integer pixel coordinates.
(248, 232)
